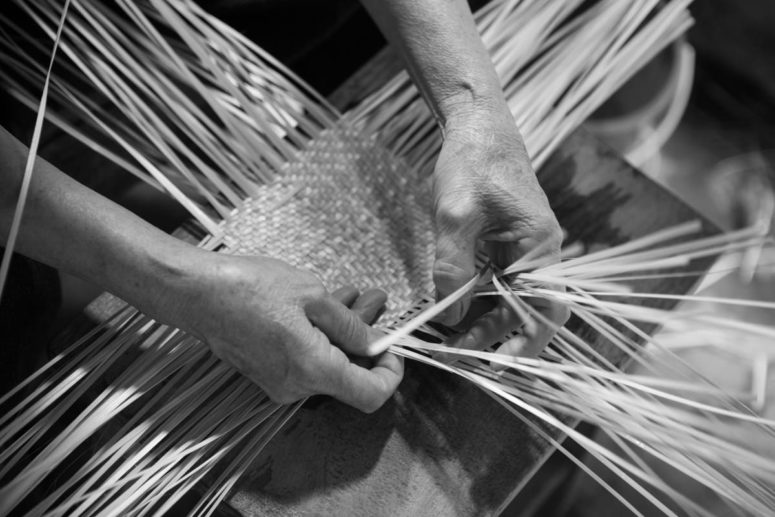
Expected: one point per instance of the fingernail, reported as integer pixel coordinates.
(530, 327)
(515, 346)
(468, 343)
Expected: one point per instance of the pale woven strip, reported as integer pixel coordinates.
(349, 211)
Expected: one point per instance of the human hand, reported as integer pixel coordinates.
(485, 191)
(280, 328)
(274, 323)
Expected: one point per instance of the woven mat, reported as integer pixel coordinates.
(349, 211)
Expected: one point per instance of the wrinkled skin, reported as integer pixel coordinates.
(296, 341)
(486, 193)
(275, 323)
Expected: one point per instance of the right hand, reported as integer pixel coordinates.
(279, 327)
(485, 192)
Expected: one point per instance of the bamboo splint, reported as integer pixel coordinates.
(172, 416)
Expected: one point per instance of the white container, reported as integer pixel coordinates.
(642, 115)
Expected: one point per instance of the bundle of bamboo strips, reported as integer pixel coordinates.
(551, 86)
(191, 95)
(204, 110)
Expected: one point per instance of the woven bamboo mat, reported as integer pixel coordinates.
(349, 211)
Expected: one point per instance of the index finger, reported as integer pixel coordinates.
(489, 328)
(546, 318)
(537, 321)
(454, 266)
(343, 327)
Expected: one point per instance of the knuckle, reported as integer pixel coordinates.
(461, 212)
(306, 373)
(296, 373)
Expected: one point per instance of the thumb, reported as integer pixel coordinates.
(454, 267)
(362, 388)
(343, 327)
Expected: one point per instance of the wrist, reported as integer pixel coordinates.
(154, 275)
(471, 106)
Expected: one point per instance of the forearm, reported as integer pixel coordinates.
(444, 55)
(256, 313)
(76, 230)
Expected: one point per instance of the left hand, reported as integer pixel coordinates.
(485, 190)
(276, 324)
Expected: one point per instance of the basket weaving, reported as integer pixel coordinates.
(136, 415)
(349, 211)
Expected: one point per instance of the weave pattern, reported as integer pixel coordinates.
(349, 211)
